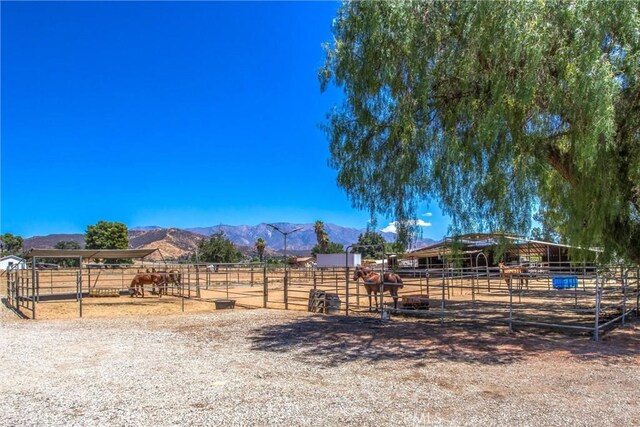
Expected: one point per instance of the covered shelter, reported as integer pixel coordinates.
(488, 249)
(89, 253)
(23, 286)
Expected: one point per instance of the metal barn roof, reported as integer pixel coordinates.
(475, 242)
(89, 253)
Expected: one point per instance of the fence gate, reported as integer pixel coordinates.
(21, 291)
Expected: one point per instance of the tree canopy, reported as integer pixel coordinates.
(321, 236)
(64, 262)
(494, 109)
(218, 249)
(11, 244)
(330, 248)
(260, 245)
(370, 238)
(108, 235)
(324, 245)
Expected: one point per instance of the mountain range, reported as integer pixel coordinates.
(175, 242)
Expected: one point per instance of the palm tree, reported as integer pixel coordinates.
(321, 236)
(260, 245)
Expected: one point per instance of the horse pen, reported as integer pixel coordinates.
(570, 298)
(441, 359)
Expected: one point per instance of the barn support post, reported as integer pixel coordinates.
(596, 327)
(197, 281)
(426, 274)
(265, 290)
(16, 286)
(548, 268)
(188, 281)
(346, 292)
(286, 287)
(625, 281)
(33, 288)
(79, 292)
(442, 302)
(511, 303)
(637, 293)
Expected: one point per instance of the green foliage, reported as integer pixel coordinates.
(545, 231)
(11, 244)
(322, 237)
(324, 245)
(330, 248)
(496, 109)
(108, 235)
(64, 262)
(260, 245)
(218, 249)
(67, 244)
(371, 237)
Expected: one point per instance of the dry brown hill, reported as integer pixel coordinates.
(172, 242)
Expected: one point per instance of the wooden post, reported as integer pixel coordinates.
(265, 289)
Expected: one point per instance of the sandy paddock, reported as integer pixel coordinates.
(273, 367)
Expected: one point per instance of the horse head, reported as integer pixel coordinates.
(357, 273)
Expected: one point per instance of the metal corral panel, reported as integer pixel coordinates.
(338, 260)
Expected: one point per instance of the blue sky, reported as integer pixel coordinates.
(169, 114)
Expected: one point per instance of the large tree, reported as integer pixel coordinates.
(324, 245)
(321, 237)
(218, 249)
(108, 235)
(10, 244)
(373, 244)
(260, 245)
(65, 262)
(495, 109)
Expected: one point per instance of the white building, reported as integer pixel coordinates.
(11, 260)
(338, 260)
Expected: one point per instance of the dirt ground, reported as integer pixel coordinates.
(274, 367)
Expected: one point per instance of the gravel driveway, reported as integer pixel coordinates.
(271, 367)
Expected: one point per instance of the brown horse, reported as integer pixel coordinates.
(514, 270)
(174, 277)
(390, 282)
(155, 279)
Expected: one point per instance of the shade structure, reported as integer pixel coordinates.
(88, 253)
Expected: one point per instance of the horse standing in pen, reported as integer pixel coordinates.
(155, 279)
(516, 270)
(173, 277)
(390, 282)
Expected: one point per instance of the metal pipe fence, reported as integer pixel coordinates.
(564, 297)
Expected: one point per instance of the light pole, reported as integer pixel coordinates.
(286, 274)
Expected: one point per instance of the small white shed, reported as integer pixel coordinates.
(11, 260)
(338, 260)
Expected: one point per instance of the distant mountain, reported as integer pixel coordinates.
(49, 241)
(175, 243)
(302, 240)
(172, 242)
(146, 228)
